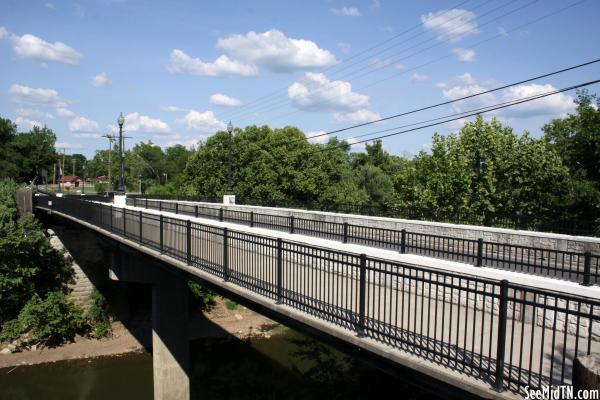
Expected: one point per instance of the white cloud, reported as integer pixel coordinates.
(379, 63)
(181, 63)
(67, 145)
(100, 80)
(26, 123)
(375, 4)
(452, 25)
(32, 46)
(459, 91)
(189, 143)
(344, 47)
(31, 113)
(358, 116)
(347, 11)
(173, 109)
(559, 103)
(464, 55)
(65, 112)
(320, 139)
(355, 147)
(83, 127)
(441, 85)
(418, 77)
(466, 78)
(317, 93)
(3, 32)
(137, 122)
(203, 122)
(220, 99)
(276, 52)
(41, 96)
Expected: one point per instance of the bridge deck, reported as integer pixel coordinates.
(453, 323)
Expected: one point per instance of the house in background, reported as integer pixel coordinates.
(70, 181)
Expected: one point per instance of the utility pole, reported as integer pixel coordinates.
(62, 169)
(111, 139)
(73, 167)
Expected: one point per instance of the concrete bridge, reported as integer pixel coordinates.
(491, 330)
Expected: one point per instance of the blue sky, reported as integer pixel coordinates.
(179, 70)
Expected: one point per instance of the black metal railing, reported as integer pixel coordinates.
(505, 334)
(582, 267)
(555, 223)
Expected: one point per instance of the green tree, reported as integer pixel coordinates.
(576, 139)
(485, 170)
(271, 166)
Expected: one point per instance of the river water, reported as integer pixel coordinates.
(286, 366)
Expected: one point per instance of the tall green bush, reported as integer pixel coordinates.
(50, 321)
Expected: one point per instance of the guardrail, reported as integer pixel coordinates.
(546, 223)
(582, 267)
(508, 335)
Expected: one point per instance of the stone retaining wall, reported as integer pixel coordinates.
(495, 235)
(81, 287)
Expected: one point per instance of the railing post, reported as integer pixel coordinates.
(291, 224)
(140, 218)
(362, 296)
(279, 271)
(135, 201)
(188, 237)
(146, 202)
(501, 345)
(111, 214)
(196, 211)
(161, 235)
(221, 214)
(225, 255)
(176, 208)
(587, 269)
(124, 223)
(479, 252)
(403, 241)
(159, 205)
(345, 232)
(251, 219)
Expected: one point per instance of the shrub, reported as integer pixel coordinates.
(50, 321)
(98, 314)
(202, 296)
(29, 265)
(100, 187)
(230, 305)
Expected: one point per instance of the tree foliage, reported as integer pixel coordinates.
(25, 155)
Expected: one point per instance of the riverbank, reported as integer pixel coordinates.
(220, 321)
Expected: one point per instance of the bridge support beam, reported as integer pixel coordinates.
(170, 337)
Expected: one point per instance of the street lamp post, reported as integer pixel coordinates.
(121, 187)
(229, 191)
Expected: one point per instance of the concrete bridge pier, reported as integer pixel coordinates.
(170, 340)
(170, 346)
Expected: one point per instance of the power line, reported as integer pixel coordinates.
(560, 71)
(332, 84)
(536, 20)
(471, 114)
(462, 114)
(416, 26)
